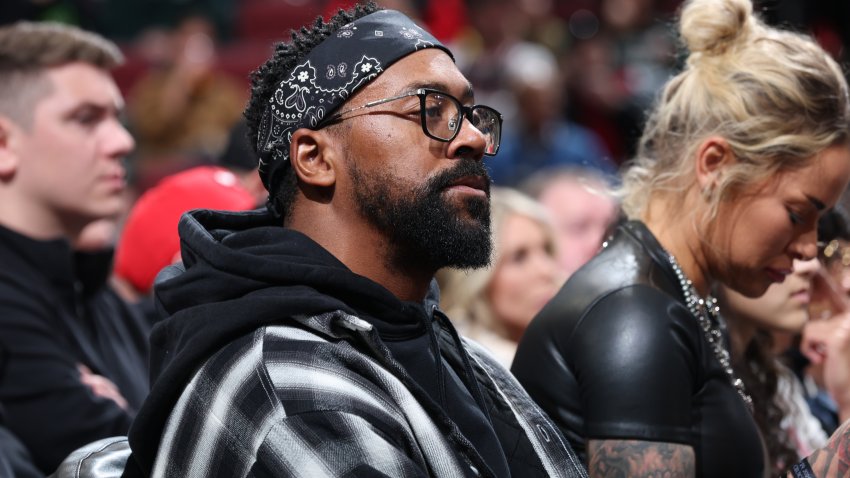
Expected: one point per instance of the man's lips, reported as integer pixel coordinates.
(477, 185)
(116, 179)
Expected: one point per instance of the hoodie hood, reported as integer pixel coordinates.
(242, 271)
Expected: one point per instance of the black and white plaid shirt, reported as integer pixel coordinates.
(321, 398)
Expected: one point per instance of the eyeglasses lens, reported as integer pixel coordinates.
(486, 120)
(443, 116)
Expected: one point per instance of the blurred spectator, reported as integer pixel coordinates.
(494, 305)
(582, 208)
(617, 68)
(72, 375)
(789, 429)
(127, 19)
(550, 29)
(149, 240)
(827, 20)
(119, 20)
(76, 12)
(182, 110)
(496, 26)
(795, 407)
(539, 137)
(827, 311)
(834, 252)
(445, 19)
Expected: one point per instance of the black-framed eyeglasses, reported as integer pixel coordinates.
(441, 116)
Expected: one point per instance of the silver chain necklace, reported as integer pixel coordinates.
(707, 313)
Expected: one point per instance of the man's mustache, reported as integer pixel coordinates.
(464, 168)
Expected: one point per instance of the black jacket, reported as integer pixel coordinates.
(15, 461)
(617, 355)
(53, 317)
(250, 288)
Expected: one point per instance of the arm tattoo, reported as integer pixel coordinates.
(833, 460)
(639, 459)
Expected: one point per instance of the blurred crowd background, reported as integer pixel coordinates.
(573, 78)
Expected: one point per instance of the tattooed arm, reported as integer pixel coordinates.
(833, 460)
(638, 459)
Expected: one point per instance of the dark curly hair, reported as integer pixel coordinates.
(760, 370)
(834, 224)
(264, 80)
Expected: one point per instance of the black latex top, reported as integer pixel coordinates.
(617, 355)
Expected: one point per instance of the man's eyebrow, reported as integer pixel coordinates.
(468, 94)
(112, 108)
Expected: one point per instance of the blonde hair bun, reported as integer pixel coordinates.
(774, 95)
(711, 27)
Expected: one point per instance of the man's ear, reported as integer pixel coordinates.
(712, 156)
(8, 156)
(313, 156)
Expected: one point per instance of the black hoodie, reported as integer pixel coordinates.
(242, 271)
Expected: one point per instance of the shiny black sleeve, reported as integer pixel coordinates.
(635, 359)
(625, 369)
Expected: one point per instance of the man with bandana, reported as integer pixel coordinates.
(305, 339)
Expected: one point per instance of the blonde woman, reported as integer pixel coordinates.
(494, 305)
(743, 152)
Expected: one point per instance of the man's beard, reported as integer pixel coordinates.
(423, 227)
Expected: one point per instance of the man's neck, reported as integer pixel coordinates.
(35, 219)
(29, 221)
(369, 253)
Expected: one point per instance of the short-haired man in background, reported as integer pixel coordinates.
(73, 372)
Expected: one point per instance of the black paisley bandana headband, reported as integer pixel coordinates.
(337, 67)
